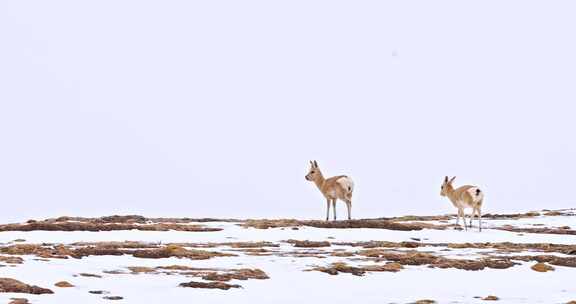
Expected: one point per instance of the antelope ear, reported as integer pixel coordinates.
(312, 164)
(452, 180)
(316, 164)
(446, 179)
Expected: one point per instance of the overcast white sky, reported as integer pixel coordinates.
(213, 108)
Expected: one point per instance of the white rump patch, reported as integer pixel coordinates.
(346, 183)
(473, 192)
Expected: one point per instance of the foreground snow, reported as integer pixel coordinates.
(288, 282)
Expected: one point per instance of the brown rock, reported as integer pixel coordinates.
(511, 216)
(364, 223)
(178, 267)
(113, 298)
(405, 258)
(177, 251)
(11, 259)
(139, 269)
(265, 224)
(459, 264)
(336, 268)
(542, 267)
(90, 275)
(499, 263)
(309, 244)
(15, 286)
(38, 250)
(545, 230)
(210, 285)
(116, 271)
(250, 244)
(422, 258)
(389, 267)
(256, 251)
(491, 298)
(63, 284)
(342, 253)
(65, 224)
(238, 274)
(18, 301)
(424, 302)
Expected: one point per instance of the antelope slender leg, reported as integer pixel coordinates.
(463, 215)
(349, 205)
(334, 207)
(327, 209)
(349, 209)
(458, 218)
(479, 220)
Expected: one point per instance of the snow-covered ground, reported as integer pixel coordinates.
(288, 282)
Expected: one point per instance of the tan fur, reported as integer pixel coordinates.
(464, 197)
(333, 188)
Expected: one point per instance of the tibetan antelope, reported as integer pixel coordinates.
(462, 198)
(333, 188)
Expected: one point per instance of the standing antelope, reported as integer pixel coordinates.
(333, 188)
(462, 198)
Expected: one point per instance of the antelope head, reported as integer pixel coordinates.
(314, 171)
(446, 186)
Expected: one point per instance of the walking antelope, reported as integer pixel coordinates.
(462, 198)
(333, 188)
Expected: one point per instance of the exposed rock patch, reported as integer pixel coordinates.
(542, 267)
(550, 259)
(139, 269)
(503, 246)
(63, 284)
(249, 244)
(15, 286)
(236, 274)
(135, 249)
(90, 275)
(11, 259)
(97, 226)
(179, 252)
(540, 230)
(365, 223)
(417, 258)
(308, 244)
(336, 268)
(256, 251)
(513, 216)
(265, 224)
(210, 285)
(208, 274)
